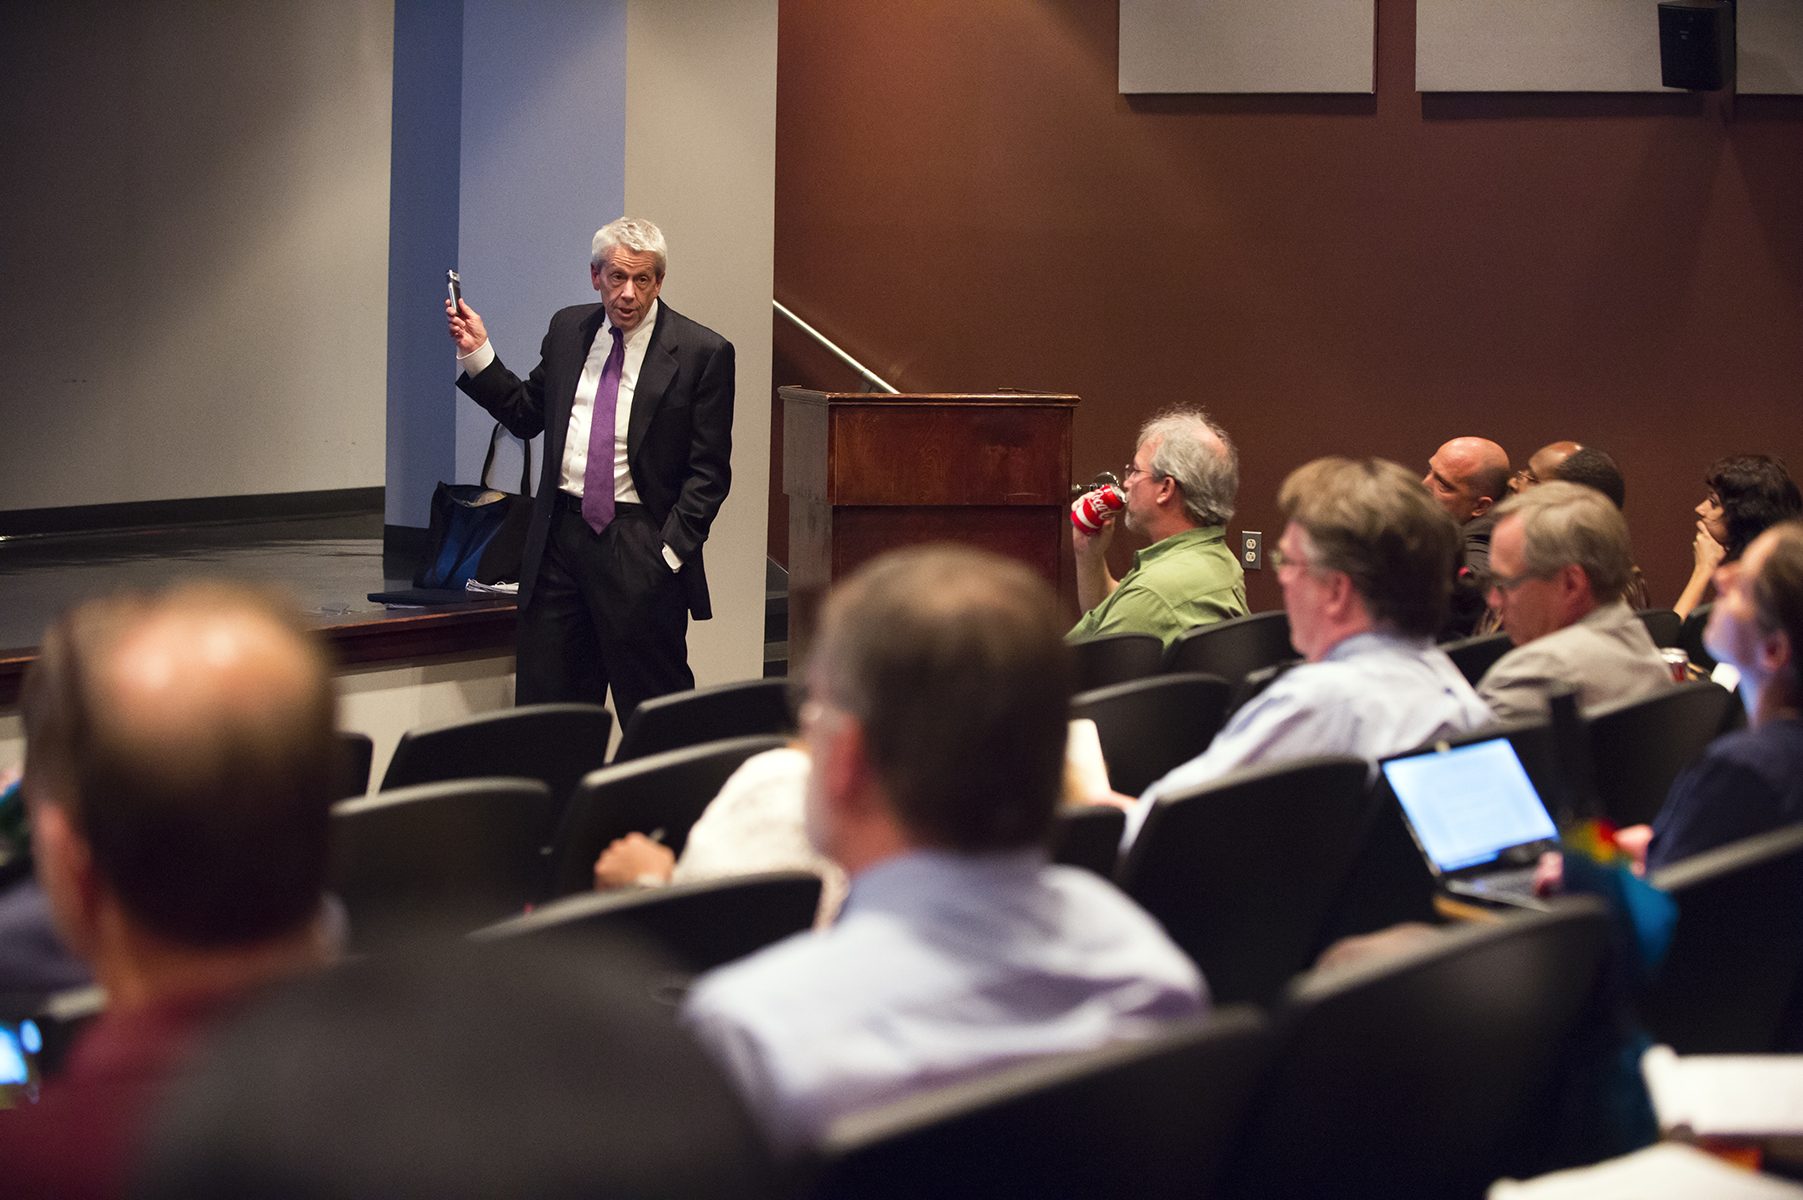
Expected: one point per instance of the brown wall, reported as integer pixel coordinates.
(964, 202)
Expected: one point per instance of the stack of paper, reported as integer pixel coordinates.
(1668, 1171)
(1725, 1095)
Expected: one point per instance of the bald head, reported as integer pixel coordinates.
(1467, 476)
(190, 740)
(188, 685)
(1543, 465)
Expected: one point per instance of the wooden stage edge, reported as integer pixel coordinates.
(397, 638)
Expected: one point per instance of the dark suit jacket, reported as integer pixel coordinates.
(678, 439)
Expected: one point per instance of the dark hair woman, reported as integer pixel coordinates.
(1748, 493)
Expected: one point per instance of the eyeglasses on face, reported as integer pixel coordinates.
(1279, 560)
(1132, 469)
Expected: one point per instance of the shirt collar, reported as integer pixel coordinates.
(1375, 641)
(1182, 540)
(641, 333)
(1616, 612)
(905, 881)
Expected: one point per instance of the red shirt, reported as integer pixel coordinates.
(81, 1138)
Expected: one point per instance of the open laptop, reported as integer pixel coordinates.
(1476, 817)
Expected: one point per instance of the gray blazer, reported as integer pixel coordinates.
(1607, 656)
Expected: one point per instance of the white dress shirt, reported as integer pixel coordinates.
(757, 823)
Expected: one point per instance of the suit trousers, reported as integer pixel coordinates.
(606, 611)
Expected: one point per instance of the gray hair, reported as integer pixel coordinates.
(1187, 453)
(629, 233)
(1563, 523)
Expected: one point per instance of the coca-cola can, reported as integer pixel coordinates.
(1677, 661)
(1090, 510)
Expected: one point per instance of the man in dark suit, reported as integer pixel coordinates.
(612, 568)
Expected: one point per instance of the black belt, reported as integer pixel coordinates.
(574, 504)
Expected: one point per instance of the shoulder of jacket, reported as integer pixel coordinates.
(574, 314)
(673, 326)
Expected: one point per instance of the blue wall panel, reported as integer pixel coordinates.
(422, 242)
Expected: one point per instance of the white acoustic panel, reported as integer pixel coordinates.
(1248, 46)
(1538, 45)
(1770, 33)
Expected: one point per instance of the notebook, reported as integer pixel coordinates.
(1476, 817)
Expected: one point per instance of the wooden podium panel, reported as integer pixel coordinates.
(867, 472)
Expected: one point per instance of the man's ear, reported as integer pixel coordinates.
(65, 870)
(1340, 592)
(1774, 653)
(1574, 581)
(1483, 505)
(847, 766)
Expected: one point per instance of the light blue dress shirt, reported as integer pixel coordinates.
(941, 965)
(1372, 695)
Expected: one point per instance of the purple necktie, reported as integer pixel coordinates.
(598, 475)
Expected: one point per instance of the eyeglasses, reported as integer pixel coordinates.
(1132, 469)
(1280, 560)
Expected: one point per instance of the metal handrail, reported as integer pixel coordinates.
(869, 376)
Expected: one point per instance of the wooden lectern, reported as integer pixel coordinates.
(867, 472)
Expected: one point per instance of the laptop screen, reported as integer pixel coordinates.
(1469, 804)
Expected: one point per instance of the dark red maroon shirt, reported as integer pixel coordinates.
(81, 1138)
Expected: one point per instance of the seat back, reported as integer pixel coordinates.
(711, 714)
(1690, 636)
(1115, 658)
(518, 1069)
(1475, 655)
(558, 743)
(664, 792)
(1089, 836)
(1148, 726)
(1146, 1119)
(1639, 746)
(1387, 883)
(1429, 1070)
(1736, 955)
(356, 751)
(1233, 648)
(456, 854)
(700, 925)
(1253, 685)
(1242, 871)
(1662, 625)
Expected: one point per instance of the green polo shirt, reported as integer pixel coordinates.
(1190, 578)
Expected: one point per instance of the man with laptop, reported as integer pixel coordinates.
(1366, 565)
(1560, 563)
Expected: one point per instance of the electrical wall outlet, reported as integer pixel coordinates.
(1252, 550)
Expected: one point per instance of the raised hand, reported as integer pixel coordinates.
(467, 329)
